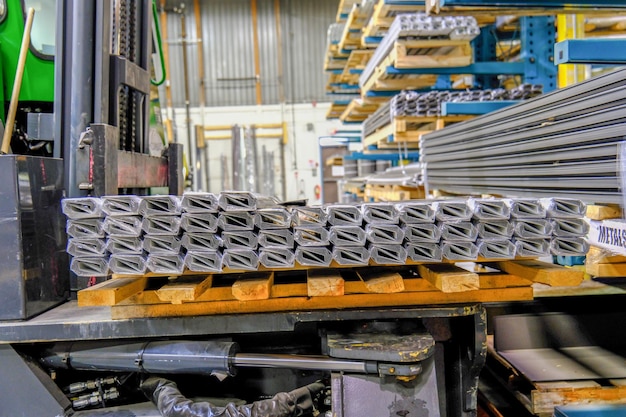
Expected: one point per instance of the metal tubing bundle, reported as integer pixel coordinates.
(429, 104)
(561, 144)
(167, 239)
(420, 26)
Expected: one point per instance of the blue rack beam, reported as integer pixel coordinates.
(591, 51)
(483, 68)
(474, 107)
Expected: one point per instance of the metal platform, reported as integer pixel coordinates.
(69, 322)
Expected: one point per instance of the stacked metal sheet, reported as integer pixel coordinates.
(429, 104)
(202, 232)
(561, 144)
(421, 26)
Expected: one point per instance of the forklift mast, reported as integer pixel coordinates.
(103, 100)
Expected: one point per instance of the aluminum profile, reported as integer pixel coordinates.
(454, 210)
(161, 225)
(384, 234)
(236, 220)
(313, 256)
(496, 249)
(276, 238)
(82, 208)
(344, 215)
(277, 258)
(532, 247)
(244, 201)
(577, 227)
(564, 207)
(526, 208)
(240, 240)
(165, 263)
(347, 236)
(416, 212)
(124, 244)
(355, 256)
(311, 236)
(309, 216)
(199, 202)
(121, 205)
(203, 261)
(122, 226)
(459, 251)
(380, 213)
(495, 229)
(84, 228)
(422, 232)
(459, 232)
(90, 267)
(569, 246)
(240, 259)
(533, 228)
(489, 209)
(127, 264)
(424, 252)
(199, 222)
(200, 242)
(273, 218)
(388, 254)
(159, 205)
(161, 244)
(86, 247)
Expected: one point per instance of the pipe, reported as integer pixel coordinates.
(201, 79)
(193, 170)
(174, 357)
(188, 357)
(17, 83)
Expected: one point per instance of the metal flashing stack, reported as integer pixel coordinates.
(240, 231)
(562, 144)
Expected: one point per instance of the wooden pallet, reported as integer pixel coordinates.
(336, 110)
(357, 111)
(351, 36)
(304, 290)
(344, 9)
(392, 193)
(415, 54)
(409, 130)
(354, 65)
(540, 398)
(383, 16)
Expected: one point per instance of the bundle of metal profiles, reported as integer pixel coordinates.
(240, 231)
(412, 103)
(561, 144)
(421, 26)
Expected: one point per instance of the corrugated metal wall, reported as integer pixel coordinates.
(229, 53)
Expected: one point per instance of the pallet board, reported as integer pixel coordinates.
(377, 193)
(540, 398)
(422, 53)
(409, 130)
(312, 289)
(357, 111)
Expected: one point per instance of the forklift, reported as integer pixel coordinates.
(82, 129)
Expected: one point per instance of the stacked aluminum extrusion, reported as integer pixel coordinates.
(421, 26)
(412, 103)
(565, 143)
(202, 232)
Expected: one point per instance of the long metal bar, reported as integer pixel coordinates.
(301, 362)
(202, 86)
